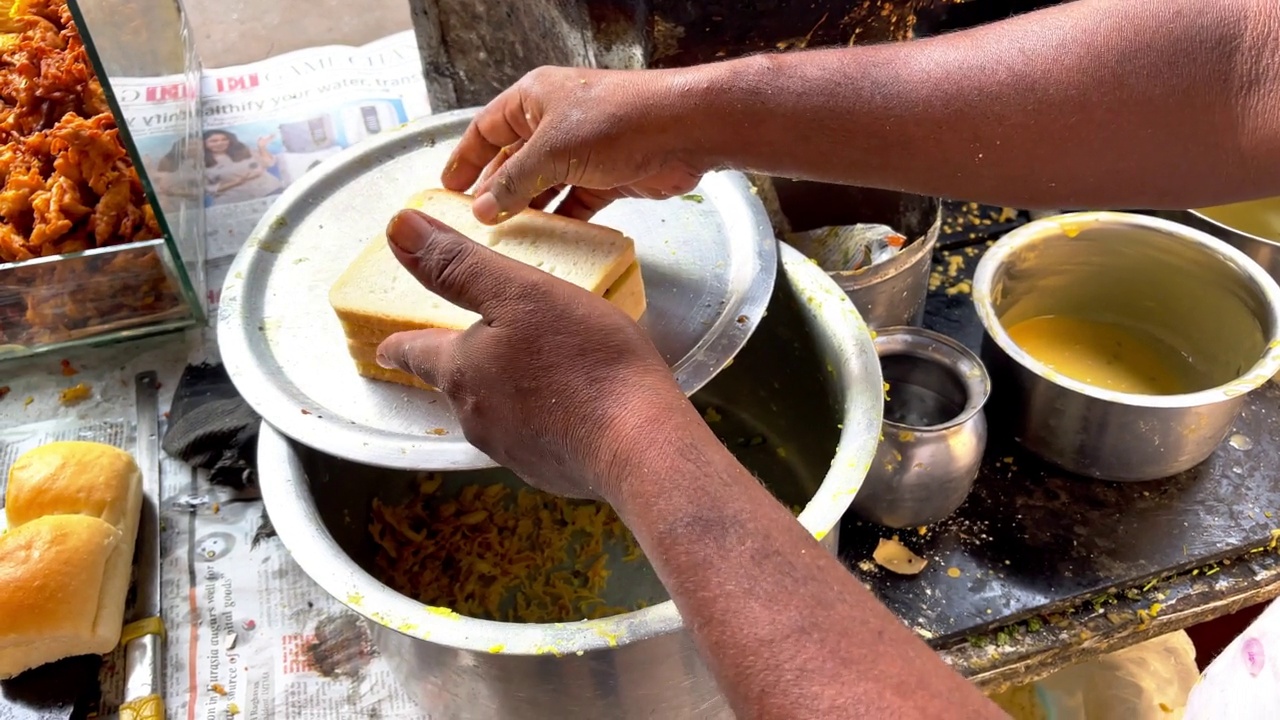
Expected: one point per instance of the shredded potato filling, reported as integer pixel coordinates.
(491, 553)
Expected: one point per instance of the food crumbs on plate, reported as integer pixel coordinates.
(67, 369)
(497, 649)
(306, 411)
(75, 394)
(233, 709)
(953, 572)
(438, 431)
(1165, 708)
(782, 452)
(218, 688)
(895, 557)
(923, 530)
(692, 197)
(711, 415)
(4, 391)
(216, 508)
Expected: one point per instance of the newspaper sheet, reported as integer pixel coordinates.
(249, 634)
(268, 123)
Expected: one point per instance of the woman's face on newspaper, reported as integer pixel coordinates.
(217, 143)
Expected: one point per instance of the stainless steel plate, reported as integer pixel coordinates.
(709, 262)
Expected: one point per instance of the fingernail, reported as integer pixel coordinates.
(410, 231)
(384, 361)
(486, 208)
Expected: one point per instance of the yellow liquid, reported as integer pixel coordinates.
(1260, 218)
(1105, 355)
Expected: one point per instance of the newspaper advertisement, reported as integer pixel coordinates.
(249, 635)
(265, 125)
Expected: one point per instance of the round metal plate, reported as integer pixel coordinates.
(709, 261)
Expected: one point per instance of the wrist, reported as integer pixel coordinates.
(656, 457)
(719, 110)
(639, 443)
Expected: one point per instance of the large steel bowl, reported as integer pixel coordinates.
(800, 406)
(1194, 292)
(1252, 227)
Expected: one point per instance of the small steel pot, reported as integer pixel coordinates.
(890, 293)
(1191, 291)
(934, 430)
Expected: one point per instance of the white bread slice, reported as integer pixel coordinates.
(627, 293)
(376, 293)
(82, 479)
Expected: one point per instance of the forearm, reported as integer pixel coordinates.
(1095, 103)
(785, 629)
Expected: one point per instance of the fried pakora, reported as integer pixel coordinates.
(66, 182)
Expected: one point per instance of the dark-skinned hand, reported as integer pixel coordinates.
(553, 382)
(607, 134)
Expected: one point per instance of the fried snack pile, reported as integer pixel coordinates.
(493, 554)
(68, 185)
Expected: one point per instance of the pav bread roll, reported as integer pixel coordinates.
(66, 559)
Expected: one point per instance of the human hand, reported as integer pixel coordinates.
(553, 382)
(607, 133)
(264, 141)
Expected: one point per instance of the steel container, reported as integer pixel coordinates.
(1192, 291)
(890, 293)
(1252, 227)
(934, 431)
(800, 406)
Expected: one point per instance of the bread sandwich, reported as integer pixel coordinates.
(376, 297)
(66, 558)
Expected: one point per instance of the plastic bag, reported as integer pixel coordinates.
(1148, 681)
(1243, 683)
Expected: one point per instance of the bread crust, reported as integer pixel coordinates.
(66, 560)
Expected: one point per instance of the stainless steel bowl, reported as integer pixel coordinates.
(800, 406)
(1192, 291)
(934, 430)
(1252, 227)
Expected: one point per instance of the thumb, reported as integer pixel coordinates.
(458, 269)
(519, 178)
(425, 353)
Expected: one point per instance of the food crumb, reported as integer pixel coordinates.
(218, 688)
(893, 556)
(67, 369)
(438, 431)
(692, 197)
(75, 394)
(4, 391)
(28, 401)
(953, 572)
(232, 709)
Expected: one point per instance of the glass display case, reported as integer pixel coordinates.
(99, 240)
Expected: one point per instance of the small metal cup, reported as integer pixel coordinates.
(934, 431)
